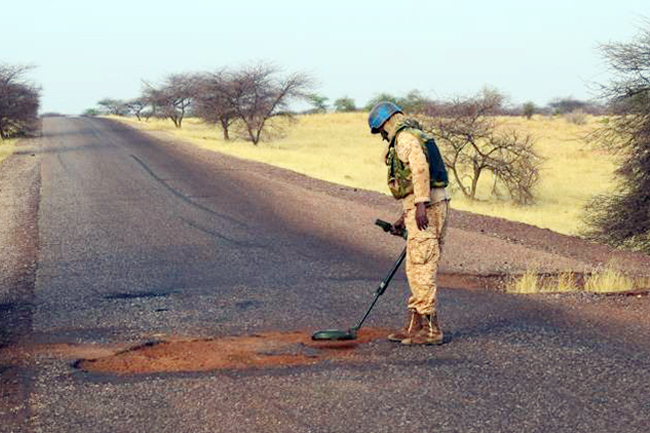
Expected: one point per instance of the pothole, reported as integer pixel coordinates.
(273, 349)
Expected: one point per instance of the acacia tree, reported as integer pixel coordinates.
(529, 109)
(211, 103)
(19, 102)
(116, 107)
(472, 145)
(622, 218)
(136, 106)
(345, 105)
(318, 103)
(257, 94)
(172, 98)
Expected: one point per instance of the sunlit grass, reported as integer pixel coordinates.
(7, 147)
(529, 282)
(608, 279)
(572, 173)
(337, 147)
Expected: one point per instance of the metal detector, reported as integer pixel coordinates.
(351, 334)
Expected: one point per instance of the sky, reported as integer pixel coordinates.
(531, 51)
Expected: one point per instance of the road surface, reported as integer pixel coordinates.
(136, 242)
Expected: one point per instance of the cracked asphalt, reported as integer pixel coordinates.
(127, 240)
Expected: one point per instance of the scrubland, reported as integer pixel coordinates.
(337, 147)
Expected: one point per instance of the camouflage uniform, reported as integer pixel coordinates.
(424, 247)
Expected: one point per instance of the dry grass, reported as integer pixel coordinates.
(532, 281)
(529, 282)
(566, 282)
(606, 280)
(609, 280)
(7, 147)
(338, 148)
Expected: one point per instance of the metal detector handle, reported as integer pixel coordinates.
(388, 227)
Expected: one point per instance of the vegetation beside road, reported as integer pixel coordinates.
(337, 147)
(6, 149)
(608, 279)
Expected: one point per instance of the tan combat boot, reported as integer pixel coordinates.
(413, 324)
(429, 332)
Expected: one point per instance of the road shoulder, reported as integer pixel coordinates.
(19, 197)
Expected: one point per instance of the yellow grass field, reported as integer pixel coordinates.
(337, 147)
(6, 149)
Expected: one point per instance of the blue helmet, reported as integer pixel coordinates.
(380, 113)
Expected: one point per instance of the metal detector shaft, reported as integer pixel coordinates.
(351, 334)
(382, 286)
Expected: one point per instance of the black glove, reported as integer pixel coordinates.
(398, 227)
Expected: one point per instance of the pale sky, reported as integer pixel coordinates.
(85, 51)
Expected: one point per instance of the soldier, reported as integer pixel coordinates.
(416, 176)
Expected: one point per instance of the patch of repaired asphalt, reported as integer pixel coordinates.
(265, 350)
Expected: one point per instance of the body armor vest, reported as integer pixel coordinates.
(400, 178)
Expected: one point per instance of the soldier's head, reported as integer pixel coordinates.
(379, 115)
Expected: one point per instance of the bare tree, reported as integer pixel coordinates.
(211, 102)
(19, 102)
(136, 106)
(471, 145)
(622, 218)
(172, 98)
(116, 107)
(257, 94)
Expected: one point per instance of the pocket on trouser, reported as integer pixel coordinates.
(422, 249)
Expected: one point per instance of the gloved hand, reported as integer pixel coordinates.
(421, 218)
(398, 226)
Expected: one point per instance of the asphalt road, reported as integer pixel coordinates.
(140, 240)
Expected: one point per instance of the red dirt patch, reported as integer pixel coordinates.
(273, 349)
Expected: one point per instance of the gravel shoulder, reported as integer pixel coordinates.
(19, 195)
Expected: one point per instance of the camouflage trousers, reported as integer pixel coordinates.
(423, 250)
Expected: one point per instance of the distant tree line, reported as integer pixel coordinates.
(244, 103)
(415, 101)
(19, 102)
(241, 101)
